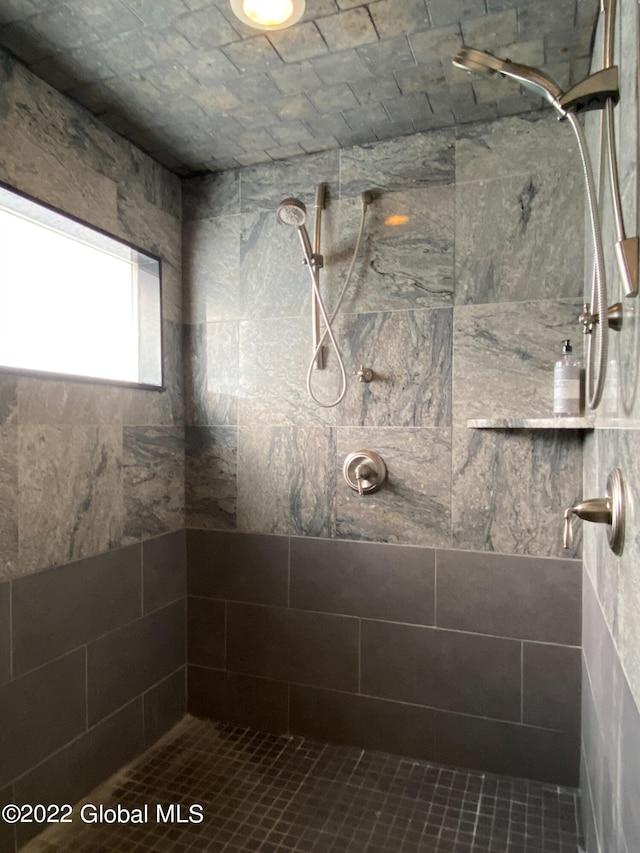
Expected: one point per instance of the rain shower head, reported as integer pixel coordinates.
(471, 59)
(292, 212)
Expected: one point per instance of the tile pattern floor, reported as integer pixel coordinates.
(267, 793)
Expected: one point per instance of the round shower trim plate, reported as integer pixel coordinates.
(298, 8)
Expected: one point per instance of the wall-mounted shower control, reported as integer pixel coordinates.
(364, 471)
(364, 374)
(609, 510)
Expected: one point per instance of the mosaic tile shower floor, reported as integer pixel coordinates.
(262, 792)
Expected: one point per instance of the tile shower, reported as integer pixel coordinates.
(439, 618)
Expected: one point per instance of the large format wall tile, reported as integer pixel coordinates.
(518, 238)
(263, 187)
(211, 353)
(211, 477)
(132, 659)
(399, 164)
(512, 146)
(241, 567)
(9, 509)
(495, 509)
(293, 645)
(58, 610)
(508, 596)
(414, 664)
(504, 357)
(41, 712)
(406, 254)
(286, 480)
(413, 506)
(361, 579)
(5, 633)
(410, 355)
(274, 361)
(70, 497)
(153, 480)
(70, 774)
(211, 250)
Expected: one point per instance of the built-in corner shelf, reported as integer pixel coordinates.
(531, 423)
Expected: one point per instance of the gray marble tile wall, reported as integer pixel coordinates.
(460, 310)
(86, 468)
(92, 670)
(611, 621)
(92, 650)
(466, 658)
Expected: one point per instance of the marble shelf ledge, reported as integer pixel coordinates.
(531, 423)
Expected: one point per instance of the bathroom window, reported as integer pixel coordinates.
(75, 301)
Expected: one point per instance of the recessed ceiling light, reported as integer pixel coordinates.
(268, 14)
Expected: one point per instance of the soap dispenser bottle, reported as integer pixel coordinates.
(568, 384)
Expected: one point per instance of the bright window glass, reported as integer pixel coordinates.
(74, 301)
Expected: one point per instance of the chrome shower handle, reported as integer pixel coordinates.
(609, 510)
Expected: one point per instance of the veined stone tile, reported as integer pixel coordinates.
(172, 289)
(504, 356)
(274, 361)
(211, 377)
(519, 238)
(274, 280)
(70, 493)
(8, 504)
(515, 146)
(49, 401)
(406, 257)
(211, 268)
(211, 481)
(511, 488)
(153, 480)
(160, 407)
(410, 355)
(400, 164)
(413, 507)
(286, 480)
(264, 187)
(92, 199)
(150, 228)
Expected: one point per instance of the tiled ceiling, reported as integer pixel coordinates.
(188, 83)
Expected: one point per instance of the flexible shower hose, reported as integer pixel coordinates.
(328, 321)
(599, 288)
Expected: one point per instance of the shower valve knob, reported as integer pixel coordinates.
(364, 374)
(364, 471)
(609, 510)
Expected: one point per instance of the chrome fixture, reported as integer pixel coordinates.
(609, 510)
(364, 471)
(292, 211)
(364, 374)
(268, 14)
(598, 91)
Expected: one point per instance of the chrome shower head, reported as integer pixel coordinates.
(292, 212)
(471, 59)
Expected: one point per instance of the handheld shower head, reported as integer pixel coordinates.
(292, 212)
(471, 59)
